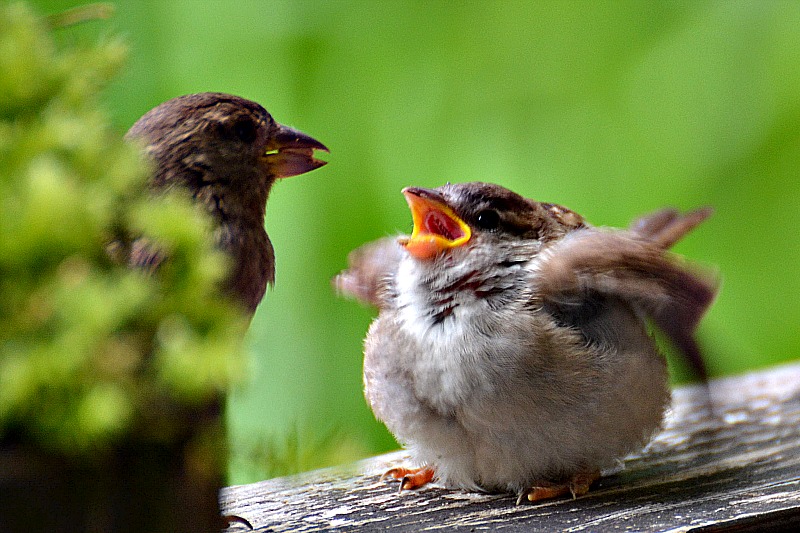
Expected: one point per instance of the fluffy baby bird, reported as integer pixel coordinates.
(511, 351)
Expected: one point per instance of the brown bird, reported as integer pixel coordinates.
(228, 152)
(511, 351)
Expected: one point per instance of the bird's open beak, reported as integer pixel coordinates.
(291, 152)
(436, 227)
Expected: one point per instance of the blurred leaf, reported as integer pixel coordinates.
(91, 350)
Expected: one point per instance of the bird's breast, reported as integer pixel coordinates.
(458, 336)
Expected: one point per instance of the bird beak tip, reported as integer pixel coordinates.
(292, 152)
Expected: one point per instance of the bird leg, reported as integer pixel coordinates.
(410, 478)
(578, 485)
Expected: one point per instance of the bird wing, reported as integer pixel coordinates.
(633, 266)
(369, 268)
(144, 254)
(667, 226)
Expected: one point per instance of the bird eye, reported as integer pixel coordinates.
(488, 219)
(246, 130)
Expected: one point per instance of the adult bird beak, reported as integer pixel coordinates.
(291, 152)
(436, 227)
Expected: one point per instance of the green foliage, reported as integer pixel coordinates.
(91, 350)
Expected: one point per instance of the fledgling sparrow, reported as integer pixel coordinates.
(511, 351)
(228, 152)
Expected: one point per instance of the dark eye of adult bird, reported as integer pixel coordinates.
(195, 142)
(488, 219)
(246, 130)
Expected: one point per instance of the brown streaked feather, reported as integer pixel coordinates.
(566, 217)
(146, 255)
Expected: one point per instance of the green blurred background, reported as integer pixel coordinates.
(610, 108)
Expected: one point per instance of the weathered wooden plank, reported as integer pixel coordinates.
(735, 467)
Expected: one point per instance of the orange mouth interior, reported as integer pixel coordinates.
(436, 227)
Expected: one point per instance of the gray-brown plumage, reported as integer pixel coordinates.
(511, 351)
(228, 152)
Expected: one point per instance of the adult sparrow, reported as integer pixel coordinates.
(511, 351)
(164, 472)
(228, 152)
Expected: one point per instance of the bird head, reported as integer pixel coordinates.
(227, 152)
(219, 143)
(480, 216)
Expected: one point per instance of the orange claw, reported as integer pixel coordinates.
(578, 485)
(537, 493)
(410, 478)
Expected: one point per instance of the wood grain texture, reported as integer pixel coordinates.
(727, 460)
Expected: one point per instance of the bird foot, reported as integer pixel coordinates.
(578, 485)
(410, 478)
